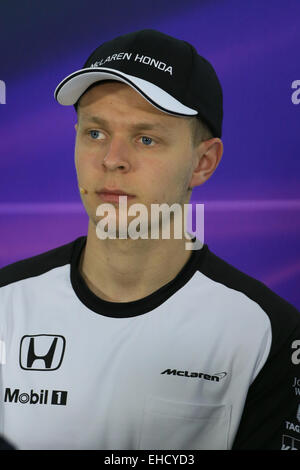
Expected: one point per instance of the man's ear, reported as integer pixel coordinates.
(208, 155)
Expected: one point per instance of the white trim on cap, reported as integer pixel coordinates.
(73, 86)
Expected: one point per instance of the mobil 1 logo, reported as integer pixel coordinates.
(41, 397)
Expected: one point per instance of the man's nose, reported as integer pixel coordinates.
(117, 155)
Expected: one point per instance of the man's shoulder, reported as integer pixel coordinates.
(38, 264)
(276, 307)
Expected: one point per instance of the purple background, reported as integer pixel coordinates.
(252, 202)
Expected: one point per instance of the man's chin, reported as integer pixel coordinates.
(121, 231)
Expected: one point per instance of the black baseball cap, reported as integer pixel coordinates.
(166, 71)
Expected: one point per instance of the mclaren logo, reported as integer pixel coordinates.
(200, 375)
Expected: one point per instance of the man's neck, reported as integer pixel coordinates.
(128, 270)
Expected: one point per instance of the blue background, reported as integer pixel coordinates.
(252, 202)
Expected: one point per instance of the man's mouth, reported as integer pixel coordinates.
(113, 195)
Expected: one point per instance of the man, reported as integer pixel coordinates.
(119, 342)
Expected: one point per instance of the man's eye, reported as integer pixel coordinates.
(147, 140)
(94, 134)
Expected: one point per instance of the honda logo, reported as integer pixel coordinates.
(42, 352)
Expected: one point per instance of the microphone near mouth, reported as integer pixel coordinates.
(82, 190)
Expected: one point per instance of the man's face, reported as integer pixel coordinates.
(126, 143)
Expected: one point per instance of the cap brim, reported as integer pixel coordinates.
(73, 86)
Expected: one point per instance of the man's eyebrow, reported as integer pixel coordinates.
(138, 126)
